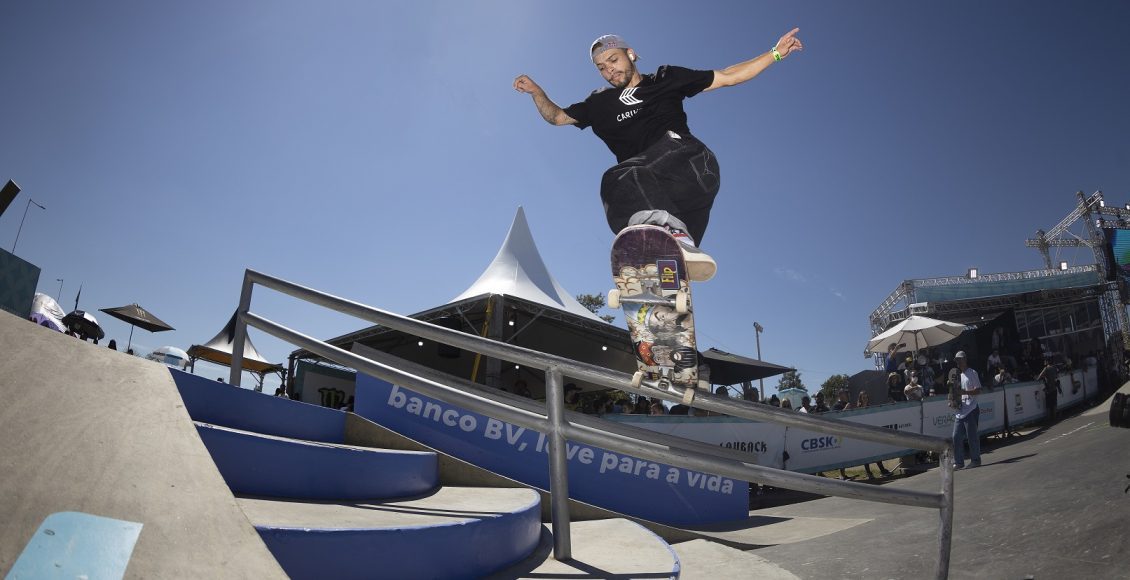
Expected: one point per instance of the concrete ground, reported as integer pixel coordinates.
(85, 429)
(1053, 503)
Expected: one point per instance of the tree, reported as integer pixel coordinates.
(593, 303)
(791, 380)
(833, 385)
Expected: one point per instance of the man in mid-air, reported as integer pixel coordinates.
(664, 175)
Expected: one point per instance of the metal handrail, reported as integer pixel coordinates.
(560, 425)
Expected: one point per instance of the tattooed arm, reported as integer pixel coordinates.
(549, 110)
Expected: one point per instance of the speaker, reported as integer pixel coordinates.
(8, 194)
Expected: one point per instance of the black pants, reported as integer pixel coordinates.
(1051, 399)
(678, 174)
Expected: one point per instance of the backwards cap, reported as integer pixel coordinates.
(606, 42)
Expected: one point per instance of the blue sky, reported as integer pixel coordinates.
(376, 150)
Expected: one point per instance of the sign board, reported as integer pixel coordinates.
(616, 481)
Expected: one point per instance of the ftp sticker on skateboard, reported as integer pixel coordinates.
(668, 274)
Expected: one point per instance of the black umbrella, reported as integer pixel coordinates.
(135, 315)
(84, 324)
(731, 369)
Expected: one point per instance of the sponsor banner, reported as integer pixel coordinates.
(1024, 403)
(323, 386)
(1071, 390)
(811, 451)
(765, 442)
(938, 417)
(619, 482)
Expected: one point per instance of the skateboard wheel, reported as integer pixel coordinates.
(637, 379)
(614, 298)
(682, 304)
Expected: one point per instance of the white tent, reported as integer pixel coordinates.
(219, 350)
(518, 270)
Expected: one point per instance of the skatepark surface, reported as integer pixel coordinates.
(1052, 503)
(102, 433)
(88, 430)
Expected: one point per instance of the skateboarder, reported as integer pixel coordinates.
(664, 175)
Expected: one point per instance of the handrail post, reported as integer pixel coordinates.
(240, 334)
(558, 466)
(945, 512)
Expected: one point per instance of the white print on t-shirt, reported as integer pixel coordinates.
(627, 97)
(625, 116)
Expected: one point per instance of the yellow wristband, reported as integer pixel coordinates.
(776, 55)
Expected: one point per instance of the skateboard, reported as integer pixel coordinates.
(653, 288)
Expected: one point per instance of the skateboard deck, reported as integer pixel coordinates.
(653, 289)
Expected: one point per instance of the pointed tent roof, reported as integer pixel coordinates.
(219, 350)
(518, 270)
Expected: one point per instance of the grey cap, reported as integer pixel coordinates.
(960, 354)
(606, 42)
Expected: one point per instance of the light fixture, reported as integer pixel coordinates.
(972, 273)
(516, 367)
(420, 343)
(1102, 203)
(1063, 266)
(604, 347)
(1128, 206)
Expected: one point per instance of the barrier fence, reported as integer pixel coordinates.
(560, 426)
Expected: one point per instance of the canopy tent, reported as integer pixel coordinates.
(732, 369)
(517, 300)
(219, 351)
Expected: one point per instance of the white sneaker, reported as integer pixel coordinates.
(700, 266)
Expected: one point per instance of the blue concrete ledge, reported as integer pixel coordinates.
(470, 549)
(208, 401)
(253, 464)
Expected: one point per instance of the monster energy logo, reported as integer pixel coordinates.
(332, 398)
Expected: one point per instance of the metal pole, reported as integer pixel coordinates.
(757, 328)
(558, 466)
(240, 332)
(59, 296)
(945, 525)
(26, 207)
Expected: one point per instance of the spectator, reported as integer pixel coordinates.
(993, 363)
(805, 405)
(895, 387)
(657, 408)
(774, 401)
(1003, 377)
(842, 400)
(862, 402)
(967, 414)
(786, 404)
(1050, 377)
(113, 344)
(680, 409)
(819, 406)
(643, 406)
(522, 389)
(913, 391)
(752, 395)
(572, 397)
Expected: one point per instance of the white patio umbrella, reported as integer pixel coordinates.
(915, 332)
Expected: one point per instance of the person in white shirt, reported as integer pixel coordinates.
(966, 414)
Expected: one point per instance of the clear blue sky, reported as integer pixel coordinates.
(377, 151)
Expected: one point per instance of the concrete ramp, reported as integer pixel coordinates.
(90, 430)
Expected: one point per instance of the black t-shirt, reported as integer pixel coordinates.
(632, 119)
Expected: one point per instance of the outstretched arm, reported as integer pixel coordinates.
(549, 110)
(742, 72)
